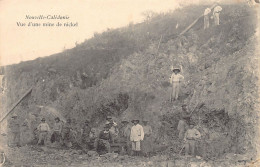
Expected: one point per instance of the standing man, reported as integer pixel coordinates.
(113, 127)
(147, 142)
(25, 135)
(43, 129)
(216, 13)
(56, 136)
(206, 18)
(190, 138)
(137, 135)
(67, 134)
(175, 80)
(14, 127)
(85, 135)
(104, 139)
(124, 133)
(183, 123)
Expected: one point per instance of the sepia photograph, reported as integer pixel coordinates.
(129, 83)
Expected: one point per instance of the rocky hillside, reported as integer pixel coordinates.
(125, 73)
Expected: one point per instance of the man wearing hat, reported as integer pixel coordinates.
(136, 136)
(206, 18)
(124, 133)
(216, 13)
(104, 139)
(175, 80)
(190, 138)
(67, 133)
(43, 129)
(85, 132)
(56, 135)
(146, 144)
(14, 127)
(113, 127)
(182, 125)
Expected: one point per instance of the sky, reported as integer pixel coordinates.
(22, 43)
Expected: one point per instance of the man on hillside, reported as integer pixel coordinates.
(14, 133)
(113, 127)
(102, 144)
(182, 125)
(43, 129)
(56, 135)
(124, 133)
(136, 136)
(206, 18)
(190, 138)
(147, 142)
(216, 13)
(67, 134)
(175, 80)
(85, 135)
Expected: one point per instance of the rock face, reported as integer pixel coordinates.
(218, 65)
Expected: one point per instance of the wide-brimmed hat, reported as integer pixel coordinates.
(176, 69)
(43, 119)
(57, 118)
(135, 119)
(124, 121)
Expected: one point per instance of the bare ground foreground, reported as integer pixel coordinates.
(125, 73)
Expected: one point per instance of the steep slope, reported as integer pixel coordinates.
(125, 73)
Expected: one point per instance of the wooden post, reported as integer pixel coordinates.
(159, 44)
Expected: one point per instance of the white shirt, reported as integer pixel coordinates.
(217, 9)
(137, 133)
(43, 127)
(176, 78)
(192, 134)
(207, 11)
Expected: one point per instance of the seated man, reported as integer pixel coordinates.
(190, 138)
(102, 143)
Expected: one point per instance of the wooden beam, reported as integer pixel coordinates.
(12, 108)
(194, 22)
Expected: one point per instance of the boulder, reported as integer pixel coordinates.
(92, 153)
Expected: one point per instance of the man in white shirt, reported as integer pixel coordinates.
(190, 138)
(206, 18)
(43, 129)
(175, 80)
(216, 13)
(136, 136)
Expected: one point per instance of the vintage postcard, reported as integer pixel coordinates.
(115, 83)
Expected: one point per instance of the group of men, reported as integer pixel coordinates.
(132, 138)
(215, 15)
(135, 139)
